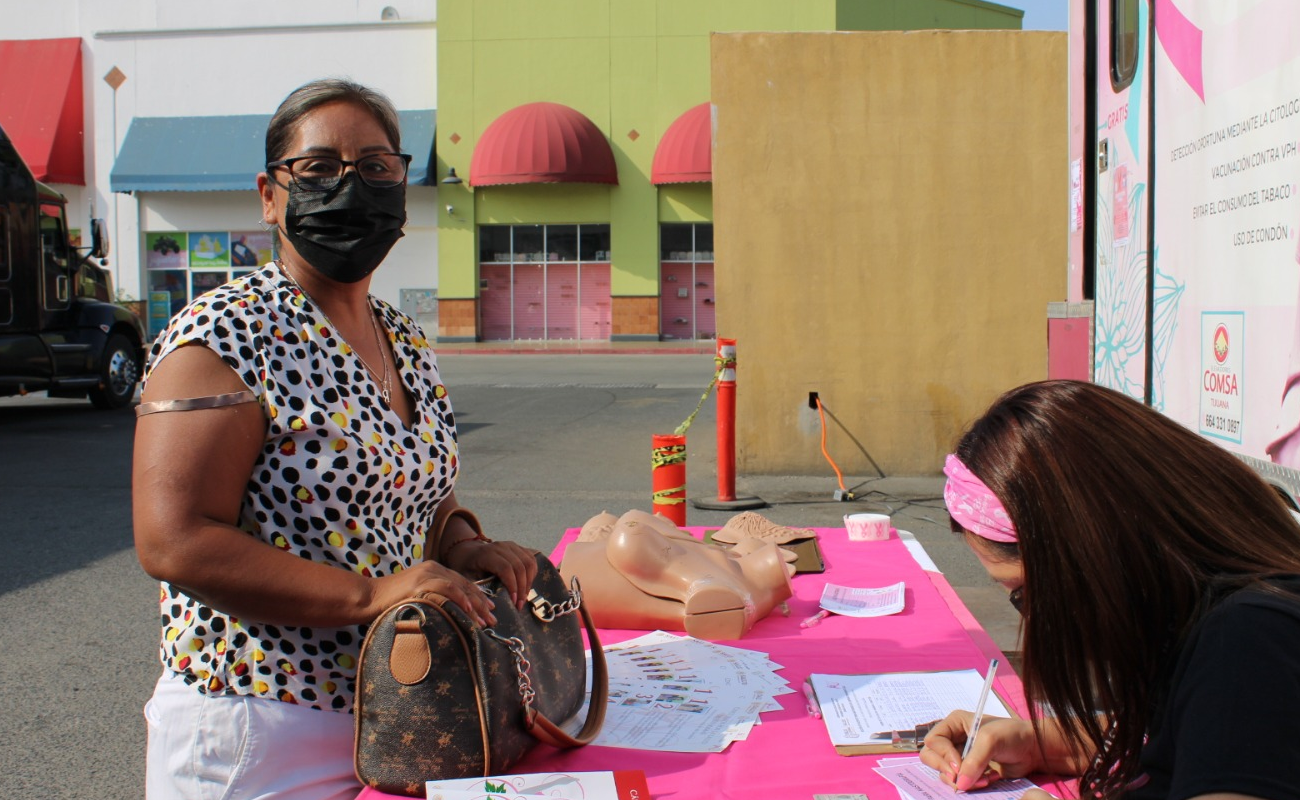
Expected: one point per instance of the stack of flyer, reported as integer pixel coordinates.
(621, 785)
(916, 781)
(682, 694)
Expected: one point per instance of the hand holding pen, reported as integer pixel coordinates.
(979, 707)
(971, 755)
(979, 718)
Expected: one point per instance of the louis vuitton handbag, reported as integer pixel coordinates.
(439, 697)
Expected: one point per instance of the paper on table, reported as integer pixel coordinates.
(917, 781)
(866, 709)
(678, 693)
(865, 602)
(474, 794)
(670, 717)
(619, 785)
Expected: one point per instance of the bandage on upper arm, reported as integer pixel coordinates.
(196, 403)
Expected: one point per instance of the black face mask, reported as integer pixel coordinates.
(345, 232)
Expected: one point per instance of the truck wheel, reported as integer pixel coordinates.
(118, 375)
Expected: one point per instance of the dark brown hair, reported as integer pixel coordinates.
(310, 96)
(1129, 525)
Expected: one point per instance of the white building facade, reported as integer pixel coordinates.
(164, 82)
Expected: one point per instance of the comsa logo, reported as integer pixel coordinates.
(1221, 344)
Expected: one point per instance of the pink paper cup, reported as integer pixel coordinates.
(867, 527)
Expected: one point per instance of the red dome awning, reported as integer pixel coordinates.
(685, 153)
(542, 143)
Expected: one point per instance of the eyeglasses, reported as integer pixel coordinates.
(1017, 599)
(322, 173)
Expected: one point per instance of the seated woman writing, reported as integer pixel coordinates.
(1159, 582)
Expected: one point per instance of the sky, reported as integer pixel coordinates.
(1041, 15)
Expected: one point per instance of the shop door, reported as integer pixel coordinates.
(495, 308)
(530, 301)
(595, 322)
(703, 295)
(686, 300)
(552, 301)
(676, 306)
(561, 301)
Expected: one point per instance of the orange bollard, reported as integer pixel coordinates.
(726, 423)
(668, 476)
(726, 360)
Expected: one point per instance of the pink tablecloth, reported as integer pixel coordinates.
(789, 756)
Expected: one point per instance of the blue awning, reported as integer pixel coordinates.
(215, 154)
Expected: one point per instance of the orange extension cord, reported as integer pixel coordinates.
(838, 475)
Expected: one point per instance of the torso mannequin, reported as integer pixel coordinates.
(642, 572)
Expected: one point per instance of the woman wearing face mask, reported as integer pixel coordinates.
(294, 464)
(1159, 580)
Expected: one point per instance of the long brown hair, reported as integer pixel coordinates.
(1127, 523)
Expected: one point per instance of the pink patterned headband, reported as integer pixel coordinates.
(974, 507)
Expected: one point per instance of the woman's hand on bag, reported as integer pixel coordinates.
(430, 576)
(514, 564)
(1003, 748)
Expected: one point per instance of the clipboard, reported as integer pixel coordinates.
(901, 741)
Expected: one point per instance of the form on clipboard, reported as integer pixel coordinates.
(866, 714)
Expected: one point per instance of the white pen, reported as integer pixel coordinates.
(979, 708)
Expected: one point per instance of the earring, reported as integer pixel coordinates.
(266, 226)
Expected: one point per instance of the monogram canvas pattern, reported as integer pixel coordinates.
(466, 717)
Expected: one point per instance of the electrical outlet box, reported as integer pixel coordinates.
(812, 400)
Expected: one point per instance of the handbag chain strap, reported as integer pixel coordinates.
(522, 666)
(547, 611)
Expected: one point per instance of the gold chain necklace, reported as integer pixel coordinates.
(385, 384)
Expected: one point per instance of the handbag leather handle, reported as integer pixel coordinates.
(548, 732)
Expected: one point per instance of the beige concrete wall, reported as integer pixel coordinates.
(890, 224)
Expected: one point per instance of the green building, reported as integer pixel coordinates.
(574, 149)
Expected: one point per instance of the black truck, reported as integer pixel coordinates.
(60, 332)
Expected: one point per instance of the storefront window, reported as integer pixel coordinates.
(562, 242)
(593, 242)
(544, 282)
(206, 281)
(533, 244)
(182, 265)
(494, 243)
(674, 240)
(686, 241)
(529, 243)
(686, 289)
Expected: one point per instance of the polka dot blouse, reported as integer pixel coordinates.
(340, 480)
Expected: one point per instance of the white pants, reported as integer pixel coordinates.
(244, 748)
